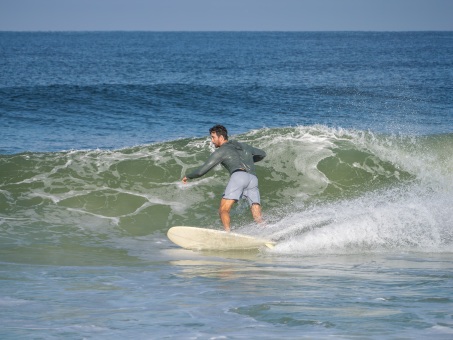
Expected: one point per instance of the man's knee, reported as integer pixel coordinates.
(225, 205)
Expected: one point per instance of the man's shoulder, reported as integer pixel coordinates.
(235, 143)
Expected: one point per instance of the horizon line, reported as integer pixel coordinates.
(219, 31)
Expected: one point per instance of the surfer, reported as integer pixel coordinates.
(238, 159)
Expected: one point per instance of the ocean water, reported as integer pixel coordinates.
(97, 130)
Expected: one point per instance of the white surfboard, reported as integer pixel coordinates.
(209, 239)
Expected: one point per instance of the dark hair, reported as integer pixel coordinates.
(219, 130)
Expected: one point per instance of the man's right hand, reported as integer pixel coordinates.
(185, 179)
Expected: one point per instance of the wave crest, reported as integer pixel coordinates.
(370, 182)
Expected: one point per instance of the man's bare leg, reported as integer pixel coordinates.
(224, 212)
(256, 212)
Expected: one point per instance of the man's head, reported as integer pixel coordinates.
(219, 135)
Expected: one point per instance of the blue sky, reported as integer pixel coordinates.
(226, 15)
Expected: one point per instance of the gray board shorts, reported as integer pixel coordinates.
(242, 184)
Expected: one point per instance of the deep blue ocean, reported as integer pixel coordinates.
(98, 128)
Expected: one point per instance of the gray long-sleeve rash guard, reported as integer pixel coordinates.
(233, 156)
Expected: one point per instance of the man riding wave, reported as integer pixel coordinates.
(238, 159)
